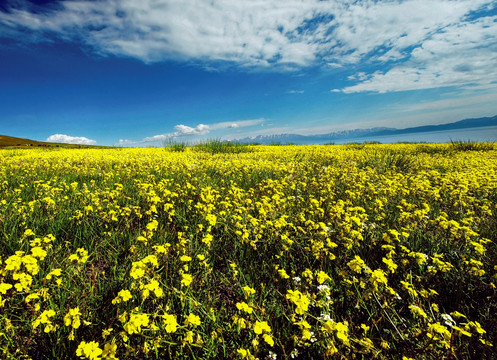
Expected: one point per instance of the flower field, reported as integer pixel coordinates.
(268, 252)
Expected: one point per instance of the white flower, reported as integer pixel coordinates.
(448, 320)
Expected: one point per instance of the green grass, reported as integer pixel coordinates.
(217, 146)
(468, 145)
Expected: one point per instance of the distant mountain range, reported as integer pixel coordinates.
(366, 133)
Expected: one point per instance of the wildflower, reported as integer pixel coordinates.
(283, 274)
(378, 277)
(28, 232)
(242, 306)
(80, 257)
(110, 352)
(135, 323)
(245, 354)
(299, 299)
(170, 322)
(137, 269)
(192, 319)
(186, 279)
(211, 219)
(188, 338)
(54, 272)
(207, 239)
(154, 287)
(73, 318)
(14, 262)
(160, 249)
(357, 264)
(122, 296)
(44, 318)
(248, 291)
(392, 266)
(439, 333)
(90, 350)
(417, 311)
(271, 356)
(38, 252)
(268, 339)
(261, 326)
(322, 277)
(240, 322)
(106, 332)
(448, 321)
(340, 330)
(4, 287)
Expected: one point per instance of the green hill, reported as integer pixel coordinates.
(15, 142)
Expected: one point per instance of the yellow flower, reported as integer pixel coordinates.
(90, 350)
(186, 279)
(44, 318)
(378, 277)
(73, 318)
(357, 264)
(417, 311)
(299, 299)
(192, 319)
(340, 329)
(322, 277)
(268, 339)
(261, 326)
(122, 296)
(137, 269)
(154, 287)
(207, 239)
(4, 287)
(248, 291)
(242, 306)
(245, 354)
(283, 274)
(110, 352)
(54, 272)
(135, 323)
(171, 323)
(392, 266)
(38, 252)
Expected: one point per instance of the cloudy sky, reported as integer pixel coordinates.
(141, 72)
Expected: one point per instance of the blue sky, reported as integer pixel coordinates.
(138, 73)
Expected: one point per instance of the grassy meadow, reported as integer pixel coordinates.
(359, 251)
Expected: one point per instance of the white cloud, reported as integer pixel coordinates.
(66, 139)
(183, 130)
(236, 124)
(417, 44)
(126, 142)
(199, 130)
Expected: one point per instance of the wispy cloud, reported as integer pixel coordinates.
(67, 139)
(194, 132)
(405, 45)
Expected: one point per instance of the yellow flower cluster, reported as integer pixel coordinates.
(360, 250)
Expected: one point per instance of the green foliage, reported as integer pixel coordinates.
(468, 145)
(174, 145)
(384, 160)
(217, 146)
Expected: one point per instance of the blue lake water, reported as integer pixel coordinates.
(481, 134)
